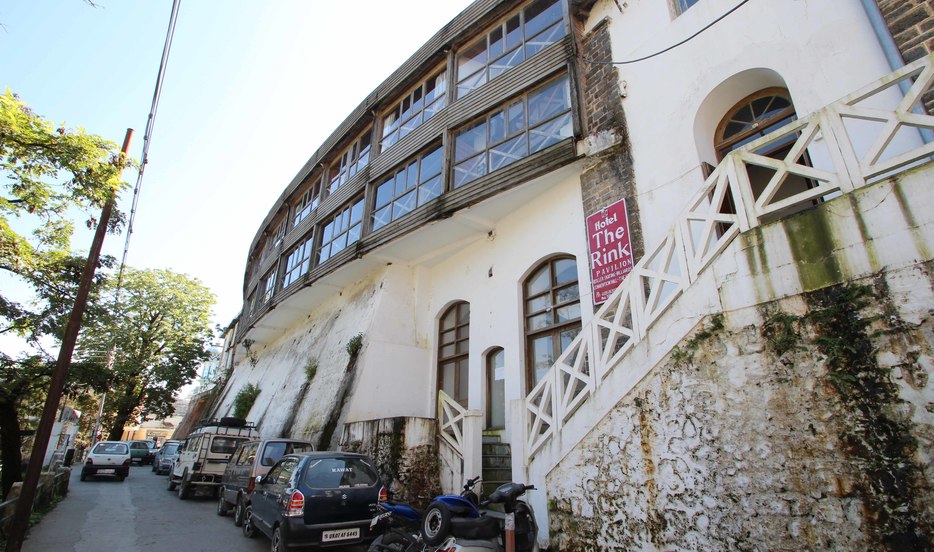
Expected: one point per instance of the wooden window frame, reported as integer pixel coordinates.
(526, 131)
(351, 160)
(415, 187)
(490, 376)
(555, 329)
(328, 240)
(292, 271)
(440, 79)
(455, 358)
(308, 202)
(722, 145)
(501, 27)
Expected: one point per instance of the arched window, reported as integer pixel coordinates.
(496, 389)
(453, 346)
(552, 314)
(753, 117)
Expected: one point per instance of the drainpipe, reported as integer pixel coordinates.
(892, 54)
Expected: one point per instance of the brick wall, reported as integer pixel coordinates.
(607, 176)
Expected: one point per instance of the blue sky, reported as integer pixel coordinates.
(252, 89)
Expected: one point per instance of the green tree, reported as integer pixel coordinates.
(161, 334)
(48, 173)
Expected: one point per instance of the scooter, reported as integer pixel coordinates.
(400, 522)
(457, 524)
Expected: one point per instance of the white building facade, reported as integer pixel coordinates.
(430, 288)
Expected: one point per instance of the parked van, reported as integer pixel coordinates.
(252, 458)
(205, 453)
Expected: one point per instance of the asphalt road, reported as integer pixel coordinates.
(138, 514)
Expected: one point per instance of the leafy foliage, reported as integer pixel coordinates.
(244, 400)
(47, 174)
(160, 335)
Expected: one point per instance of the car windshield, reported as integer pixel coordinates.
(170, 449)
(110, 448)
(138, 445)
(224, 445)
(276, 450)
(335, 473)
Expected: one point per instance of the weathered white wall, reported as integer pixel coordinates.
(397, 312)
(821, 51)
(735, 446)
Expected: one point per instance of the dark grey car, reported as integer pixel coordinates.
(251, 459)
(165, 457)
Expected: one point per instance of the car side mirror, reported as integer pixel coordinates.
(259, 479)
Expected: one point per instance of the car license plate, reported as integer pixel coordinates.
(340, 534)
(106, 471)
(375, 521)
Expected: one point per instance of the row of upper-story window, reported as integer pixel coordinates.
(517, 37)
(523, 126)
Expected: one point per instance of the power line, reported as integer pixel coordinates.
(673, 46)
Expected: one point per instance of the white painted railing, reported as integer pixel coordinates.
(451, 421)
(861, 138)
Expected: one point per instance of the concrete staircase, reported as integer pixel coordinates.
(496, 462)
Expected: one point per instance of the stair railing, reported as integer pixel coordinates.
(839, 160)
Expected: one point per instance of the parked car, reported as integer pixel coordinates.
(107, 458)
(204, 456)
(251, 458)
(139, 451)
(165, 457)
(315, 499)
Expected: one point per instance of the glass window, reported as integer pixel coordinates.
(336, 473)
(685, 4)
(111, 448)
(225, 445)
(297, 263)
(496, 389)
(509, 43)
(539, 119)
(453, 349)
(307, 203)
(342, 230)
(268, 286)
(276, 450)
(274, 240)
(420, 105)
(552, 314)
(412, 185)
(351, 161)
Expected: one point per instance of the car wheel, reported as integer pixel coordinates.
(222, 507)
(121, 477)
(249, 529)
(238, 513)
(436, 524)
(84, 476)
(278, 543)
(153, 467)
(184, 487)
(172, 483)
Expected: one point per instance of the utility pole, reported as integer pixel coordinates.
(44, 431)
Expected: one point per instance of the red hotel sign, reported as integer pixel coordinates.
(610, 249)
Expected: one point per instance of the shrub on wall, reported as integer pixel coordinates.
(244, 400)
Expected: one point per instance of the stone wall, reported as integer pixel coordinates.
(805, 423)
(607, 176)
(911, 23)
(405, 455)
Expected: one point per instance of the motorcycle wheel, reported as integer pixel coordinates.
(436, 524)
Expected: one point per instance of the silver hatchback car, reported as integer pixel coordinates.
(165, 457)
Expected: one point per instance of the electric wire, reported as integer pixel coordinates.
(147, 138)
(673, 46)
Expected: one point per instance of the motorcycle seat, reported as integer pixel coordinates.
(483, 527)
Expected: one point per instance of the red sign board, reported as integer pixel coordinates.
(610, 249)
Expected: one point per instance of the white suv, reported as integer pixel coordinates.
(108, 458)
(203, 457)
